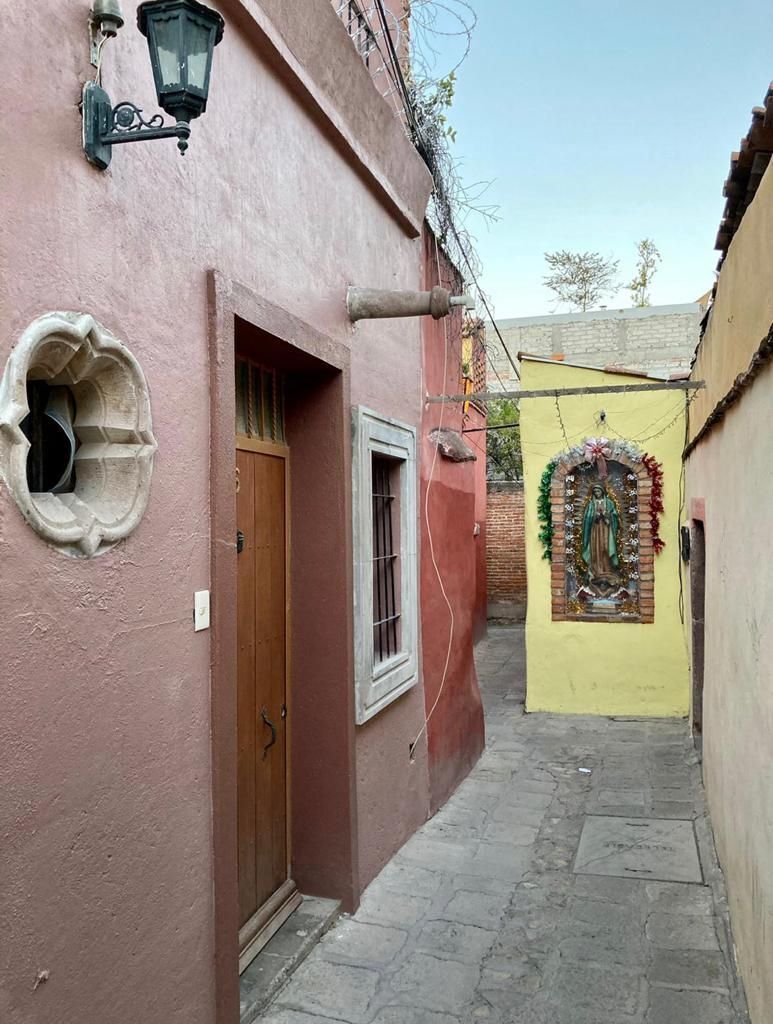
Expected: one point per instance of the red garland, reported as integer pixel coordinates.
(655, 471)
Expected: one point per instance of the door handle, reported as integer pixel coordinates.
(272, 727)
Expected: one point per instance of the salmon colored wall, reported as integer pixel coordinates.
(456, 730)
(106, 875)
(620, 668)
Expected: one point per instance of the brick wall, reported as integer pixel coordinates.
(505, 551)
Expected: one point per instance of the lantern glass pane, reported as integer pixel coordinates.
(167, 33)
(198, 46)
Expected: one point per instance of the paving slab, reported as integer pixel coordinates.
(670, 1006)
(331, 990)
(541, 894)
(648, 848)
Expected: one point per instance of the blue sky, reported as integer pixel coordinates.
(601, 122)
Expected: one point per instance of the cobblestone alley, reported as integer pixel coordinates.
(485, 915)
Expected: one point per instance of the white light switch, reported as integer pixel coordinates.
(201, 610)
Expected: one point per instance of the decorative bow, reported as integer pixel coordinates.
(597, 451)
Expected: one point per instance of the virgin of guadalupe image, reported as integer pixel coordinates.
(600, 525)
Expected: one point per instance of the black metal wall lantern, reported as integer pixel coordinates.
(182, 35)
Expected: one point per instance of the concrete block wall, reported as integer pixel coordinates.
(656, 339)
(506, 551)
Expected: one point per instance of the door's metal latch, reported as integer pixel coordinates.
(283, 712)
(239, 542)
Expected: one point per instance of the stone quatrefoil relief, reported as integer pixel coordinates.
(113, 439)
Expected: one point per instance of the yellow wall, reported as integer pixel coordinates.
(620, 668)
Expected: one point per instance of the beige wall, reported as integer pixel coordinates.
(730, 472)
(743, 309)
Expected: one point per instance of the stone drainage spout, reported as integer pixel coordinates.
(373, 303)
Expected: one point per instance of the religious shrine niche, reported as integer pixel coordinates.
(603, 543)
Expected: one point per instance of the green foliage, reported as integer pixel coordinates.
(503, 447)
(544, 511)
(646, 268)
(431, 101)
(580, 279)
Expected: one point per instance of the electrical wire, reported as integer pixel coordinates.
(561, 421)
(483, 299)
(649, 437)
(441, 584)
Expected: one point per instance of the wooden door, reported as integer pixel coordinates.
(267, 894)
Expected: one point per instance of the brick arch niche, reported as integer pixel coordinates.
(580, 592)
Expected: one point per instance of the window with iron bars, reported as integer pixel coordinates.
(358, 27)
(385, 548)
(386, 561)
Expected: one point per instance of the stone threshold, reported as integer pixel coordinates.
(283, 954)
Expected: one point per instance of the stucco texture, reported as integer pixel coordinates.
(733, 475)
(743, 307)
(730, 487)
(455, 736)
(603, 668)
(106, 874)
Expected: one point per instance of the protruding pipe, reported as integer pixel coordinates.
(373, 303)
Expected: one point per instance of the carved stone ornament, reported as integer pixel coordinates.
(113, 459)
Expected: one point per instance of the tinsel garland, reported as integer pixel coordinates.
(544, 510)
(655, 471)
(545, 513)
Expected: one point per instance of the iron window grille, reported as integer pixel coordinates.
(260, 402)
(386, 604)
(358, 27)
(385, 549)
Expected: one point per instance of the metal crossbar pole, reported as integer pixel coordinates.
(609, 389)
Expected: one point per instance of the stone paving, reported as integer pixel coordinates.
(481, 918)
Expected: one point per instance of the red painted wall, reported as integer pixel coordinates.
(456, 734)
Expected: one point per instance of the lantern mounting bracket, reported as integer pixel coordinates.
(181, 35)
(105, 126)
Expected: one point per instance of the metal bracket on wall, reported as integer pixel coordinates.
(105, 126)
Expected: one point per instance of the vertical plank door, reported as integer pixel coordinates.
(266, 892)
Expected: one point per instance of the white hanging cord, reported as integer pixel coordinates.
(427, 717)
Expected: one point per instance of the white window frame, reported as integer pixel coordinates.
(376, 686)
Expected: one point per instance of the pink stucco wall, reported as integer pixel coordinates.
(106, 860)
